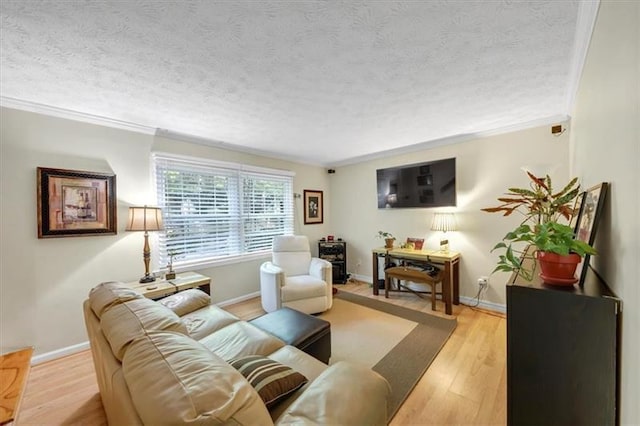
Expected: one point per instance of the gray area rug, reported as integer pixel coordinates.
(405, 364)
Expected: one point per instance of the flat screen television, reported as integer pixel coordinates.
(428, 184)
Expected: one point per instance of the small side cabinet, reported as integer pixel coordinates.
(562, 353)
(336, 253)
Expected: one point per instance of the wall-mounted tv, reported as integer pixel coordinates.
(429, 184)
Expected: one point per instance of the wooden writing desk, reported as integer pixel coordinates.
(450, 261)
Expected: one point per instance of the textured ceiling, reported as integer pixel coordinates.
(323, 82)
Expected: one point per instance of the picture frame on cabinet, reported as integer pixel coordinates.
(591, 207)
(74, 203)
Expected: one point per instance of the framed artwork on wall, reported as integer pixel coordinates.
(313, 207)
(587, 223)
(74, 203)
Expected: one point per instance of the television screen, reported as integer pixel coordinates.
(429, 184)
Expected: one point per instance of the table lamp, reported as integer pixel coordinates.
(444, 222)
(145, 219)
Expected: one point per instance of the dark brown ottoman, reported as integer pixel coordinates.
(306, 332)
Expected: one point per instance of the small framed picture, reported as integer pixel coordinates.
(590, 212)
(313, 207)
(74, 203)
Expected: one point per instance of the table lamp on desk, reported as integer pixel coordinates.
(444, 222)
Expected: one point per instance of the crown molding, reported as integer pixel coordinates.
(158, 132)
(83, 117)
(168, 134)
(586, 21)
(450, 140)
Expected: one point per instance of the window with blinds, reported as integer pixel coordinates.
(216, 211)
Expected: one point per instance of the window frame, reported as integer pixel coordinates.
(239, 170)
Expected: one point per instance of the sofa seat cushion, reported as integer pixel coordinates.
(108, 294)
(186, 301)
(273, 381)
(207, 320)
(302, 287)
(175, 380)
(240, 339)
(123, 323)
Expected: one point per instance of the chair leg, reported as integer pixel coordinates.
(386, 286)
(433, 296)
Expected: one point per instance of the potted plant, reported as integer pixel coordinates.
(387, 237)
(557, 250)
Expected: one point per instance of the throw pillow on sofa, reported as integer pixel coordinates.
(273, 381)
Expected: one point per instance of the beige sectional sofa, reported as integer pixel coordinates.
(167, 362)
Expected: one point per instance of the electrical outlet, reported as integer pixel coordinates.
(483, 283)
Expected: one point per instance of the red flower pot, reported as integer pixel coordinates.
(557, 269)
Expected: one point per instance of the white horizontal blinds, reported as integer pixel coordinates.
(267, 209)
(216, 210)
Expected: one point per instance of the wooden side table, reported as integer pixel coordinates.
(14, 369)
(161, 288)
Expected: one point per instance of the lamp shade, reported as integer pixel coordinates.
(145, 219)
(444, 222)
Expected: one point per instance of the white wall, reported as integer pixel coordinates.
(44, 281)
(605, 143)
(486, 167)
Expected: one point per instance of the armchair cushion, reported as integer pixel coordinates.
(293, 263)
(303, 287)
(291, 253)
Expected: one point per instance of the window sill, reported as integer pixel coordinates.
(212, 263)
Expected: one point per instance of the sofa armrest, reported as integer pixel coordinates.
(344, 393)
(271, 280)
(321, 269)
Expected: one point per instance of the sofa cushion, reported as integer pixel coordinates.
(175, 380)
(122, 323)
(206, 320)
(240, 339)
(186, 301)
(337, 397)
(108, 294)
(273, 381)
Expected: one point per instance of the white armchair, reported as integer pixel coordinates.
(295, 279)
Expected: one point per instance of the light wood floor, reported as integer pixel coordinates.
(465, 384)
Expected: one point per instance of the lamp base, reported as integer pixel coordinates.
(444, 246)
(147, 279)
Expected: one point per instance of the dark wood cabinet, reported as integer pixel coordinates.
(336, 253)
(562, 353)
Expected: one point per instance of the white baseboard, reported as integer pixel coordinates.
(239, 299)
(490, 306)
(59, 353)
